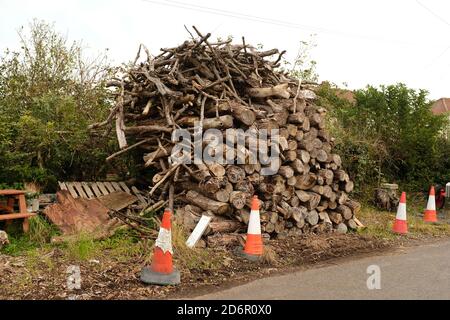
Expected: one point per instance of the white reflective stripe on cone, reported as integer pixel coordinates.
(254, 225)
(431, 204)
(164, 240)
(401, 212)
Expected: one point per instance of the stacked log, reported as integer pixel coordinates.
(229, 87)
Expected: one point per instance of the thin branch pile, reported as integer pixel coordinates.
(202, 85)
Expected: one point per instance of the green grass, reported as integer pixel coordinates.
(83, 247)
(41, 230)
(18, 246)
(195, 258)
(379, 223)
(122, 246)
(38, 236)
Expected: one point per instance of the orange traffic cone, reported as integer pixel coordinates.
(161, 270)
(430, 211)
(400, 224)
(253, 249)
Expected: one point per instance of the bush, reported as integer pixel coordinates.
(388, 133)
(49, 94)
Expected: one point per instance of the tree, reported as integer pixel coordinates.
(304, 68)
(395, 133)
(49, 93)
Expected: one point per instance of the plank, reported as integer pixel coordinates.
(10, 216)
(88, 190)
(62, 185)
(198, 231)
(109, 186)
(116, 186)
(71, 189)
(138, 194)
(73, 216)
(102, 188)
(125, 187)
(117, 200)
(80, 190)
(96, 190)
(11, 192)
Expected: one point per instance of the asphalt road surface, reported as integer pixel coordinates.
(410, 273)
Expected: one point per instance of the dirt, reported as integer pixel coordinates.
(45, 277)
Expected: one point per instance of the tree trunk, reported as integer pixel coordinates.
(224, 226)
(205, 203)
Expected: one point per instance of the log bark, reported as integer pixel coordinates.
(245, 186)
(290, 155)
(296, 118)
(221, 122)
(216, 207)
(292, 181)
(306, 181)
(347, 186)
(304, 156)
(354, 206)
(335, 217)
(224, 240)
(352, 224)
(303, 196)
(216, 169)
(307, 145)
(235, 174)
(243, 215)
(239, 111)
(292, 130)
(280, 91)
(345, 211)
(295, 201)
(222, 195)
(328, 175)
(313, 201)
(299, 136)
(238, 199)
(224, 226)
(312, 217)
(286, 171)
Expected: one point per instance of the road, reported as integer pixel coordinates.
(410, 273)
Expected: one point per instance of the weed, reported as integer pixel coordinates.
(37, 237)
(192, 258)
(123, 246)
(18, 245)
(269, 256)
(41, 230)
(81, 248)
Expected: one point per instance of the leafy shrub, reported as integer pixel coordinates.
(49, 94)
(388, 133)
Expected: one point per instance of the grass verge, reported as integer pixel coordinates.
(379, 223)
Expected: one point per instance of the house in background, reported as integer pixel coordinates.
(442, 106)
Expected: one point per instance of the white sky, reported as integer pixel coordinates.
(358, 42)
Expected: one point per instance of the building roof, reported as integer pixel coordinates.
(441, 106)
(347, 95)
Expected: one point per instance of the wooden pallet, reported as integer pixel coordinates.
(90, 190)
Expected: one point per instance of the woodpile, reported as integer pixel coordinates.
(386, 197)
(223, 86)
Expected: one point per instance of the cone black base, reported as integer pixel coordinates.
(240, 252)
(150, 277)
